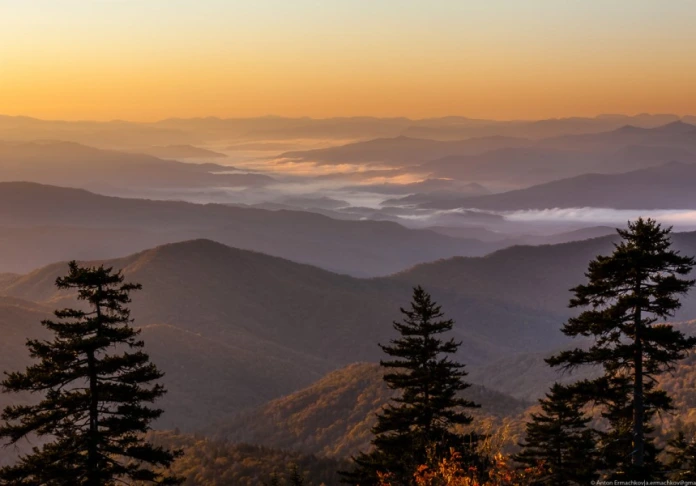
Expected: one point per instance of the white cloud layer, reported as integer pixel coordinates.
(676, 217)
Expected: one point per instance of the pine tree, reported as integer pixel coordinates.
(627, 294)
(296, 478)
(95, 385)
(560, 440)
(274, 481)
(417, 428)
(682, 465)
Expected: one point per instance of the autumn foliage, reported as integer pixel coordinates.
(450, 472)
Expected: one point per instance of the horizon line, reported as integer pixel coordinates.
(349, 117)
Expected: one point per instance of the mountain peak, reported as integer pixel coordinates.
(630, 129)
(202, 251)
(676, 127)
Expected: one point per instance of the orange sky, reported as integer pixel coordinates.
(152, 59)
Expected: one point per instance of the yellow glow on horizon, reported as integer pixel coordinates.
(148, 60)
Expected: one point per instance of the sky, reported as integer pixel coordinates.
(501, 59)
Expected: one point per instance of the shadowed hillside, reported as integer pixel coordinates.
(74, 165)
(217, 463)
(402, 151)
(539, 277)
(666, 186)
(107, 227)
(265, 327)
(258, 326)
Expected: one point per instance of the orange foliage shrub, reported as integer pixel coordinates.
(449, 471)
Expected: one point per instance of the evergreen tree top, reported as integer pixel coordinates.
(642, 274)
(642, 262)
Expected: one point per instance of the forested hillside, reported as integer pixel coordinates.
(333, 416)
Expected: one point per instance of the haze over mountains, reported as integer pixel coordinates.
(366, 162)
(178, 130)
(115, 226)
(71, 164)
(520, 161)
(661, 187)
(261, 327)
(275, 253)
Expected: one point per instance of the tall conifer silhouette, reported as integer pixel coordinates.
(626, 295)
(96, 386)
(418, 427)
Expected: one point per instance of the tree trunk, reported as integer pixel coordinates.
(638, 412)
(92, 449)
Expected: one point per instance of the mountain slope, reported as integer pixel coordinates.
(246, 295)
(75, 165)
(218, 463)
(509, 162)
(364, 248)
(401, 151)
(333, 416)
(206, 378)
(675, 134)
(512, 166)
(182, 152)
(538, 277)
(233, 329)
(664, 187)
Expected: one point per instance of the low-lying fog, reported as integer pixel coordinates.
(510, 178)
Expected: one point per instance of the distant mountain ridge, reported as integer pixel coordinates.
(668, 186)
(260, 327)
(107, 227)
(516, 162)
(182, 152)
(234, 329)
(75, 165)
(401, 151)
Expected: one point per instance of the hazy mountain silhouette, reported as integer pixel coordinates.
(431, 186)
(364, 248)
(538, 277)
(401, 151)
(442, 128)
(260, 327)
(484, 234)
(182, 152)
(75, 165)
(318, 202)
(111, 134)
(665, 187)
(269, 297)
(536, 129)
(177, 131)
(534, 165)
(674, 134)
(517, 162)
